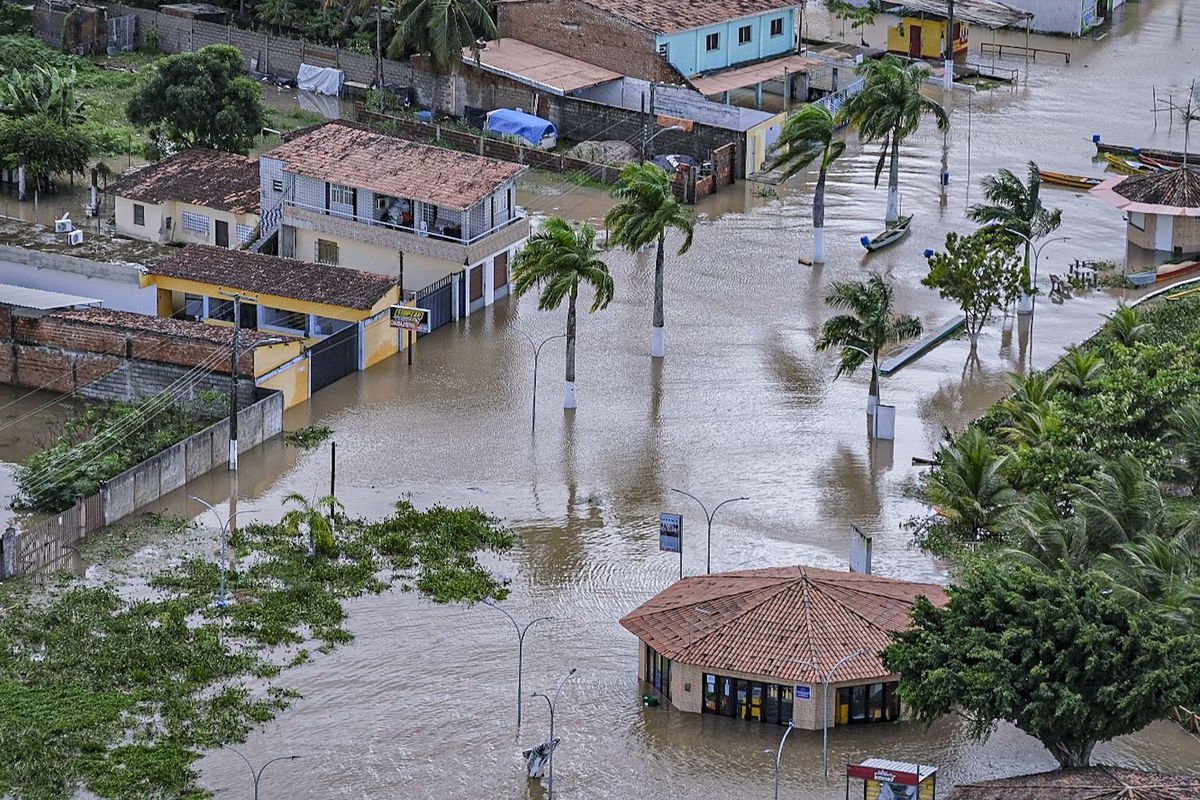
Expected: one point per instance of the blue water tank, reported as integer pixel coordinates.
(425, 116)
(1095, 138)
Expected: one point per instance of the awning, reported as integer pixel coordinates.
(988, 13)
(772, 70)
(41, 299)
(542, 69)
(1106, 192)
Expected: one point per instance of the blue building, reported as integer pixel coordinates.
(730, 42)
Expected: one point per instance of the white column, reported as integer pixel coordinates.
(489, 281)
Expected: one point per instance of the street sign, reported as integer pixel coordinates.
(803, 692)
(670, 533)
(410, 319)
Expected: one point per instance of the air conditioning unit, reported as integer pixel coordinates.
(63, 225)
(75, 237)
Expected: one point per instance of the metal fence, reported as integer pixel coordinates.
(46, 542)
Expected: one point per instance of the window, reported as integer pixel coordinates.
(777, 26)
(341, 195)
(876, 702)
(139, 215)
(280, 318)
(664, 50)
(1137, 220)
(744, 34)
(712, 42)
(193, 306)
(327, 252)
(745, 699)
(195, 223)
(244, 232)
(220, 309)
(277, 186)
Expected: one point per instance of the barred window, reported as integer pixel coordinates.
(195, 223)
(244, 232)
(139, 214)
(327, 252)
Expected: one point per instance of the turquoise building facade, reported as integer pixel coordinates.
(731, 43)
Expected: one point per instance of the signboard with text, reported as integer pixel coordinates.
(410, 319)
(670, 533)
(803, 692)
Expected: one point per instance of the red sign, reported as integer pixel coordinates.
(882, 775)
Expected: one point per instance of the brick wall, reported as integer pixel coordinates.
(584, 32)
(105, 363)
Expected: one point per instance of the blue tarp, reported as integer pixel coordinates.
(517, 123)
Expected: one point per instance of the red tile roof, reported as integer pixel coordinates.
(758, 621)
(672, 16)
(201, 177)
(1086, 783)
(342, 152)
(182, 328)
(254, 273)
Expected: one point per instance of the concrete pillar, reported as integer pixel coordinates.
(8, 553)
(489, 281)
(758, 95)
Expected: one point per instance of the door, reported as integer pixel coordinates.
(772, 709)
(475, 279)
(914, 41)
(743, 699)
(858, 703)
(500, 272)
(725, 698)
(756, 701)
(222, 232)
(1164, 232)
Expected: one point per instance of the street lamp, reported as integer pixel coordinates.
(647, 152)
(224, 523)
(779, 754)
(709, 518)
(257, 774)
(828, 678)
(1037, 254)
(537, 351)
(552, 704)
(521, 631)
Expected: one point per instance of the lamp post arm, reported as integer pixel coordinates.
(725, 502)
(511, 618)
(545, 341)
(529, 624)
(843, 660)
(238, 753)
(704, 508)
(263, 768)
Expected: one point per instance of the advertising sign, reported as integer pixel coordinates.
(670, 533)
(410, 319)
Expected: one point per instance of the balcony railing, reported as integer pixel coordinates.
(434, 232)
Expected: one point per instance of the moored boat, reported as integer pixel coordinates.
(1173, 157)
(894, 233)
(1069, 181)
(1128, 165)
(1166, 271)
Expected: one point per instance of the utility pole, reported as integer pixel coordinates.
(233, 383)
(649, 156)
(645, 133)
(948, 78)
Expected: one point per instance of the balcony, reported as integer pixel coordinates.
(430, 243)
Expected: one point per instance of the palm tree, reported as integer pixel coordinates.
(867, 330)
(441, 29)
(362, 7)
(557, 259)
(1183, 434)
(1016, 206)
(1126, 325)
(1079, 369)
(968, 489)
(810, 135)
(889, 110)
(646, 211)
(310, 518)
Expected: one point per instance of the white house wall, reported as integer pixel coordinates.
(1059, 16)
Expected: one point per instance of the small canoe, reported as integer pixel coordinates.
(1129, 166)
(1070, 181)
(894, 233)
(1173, 157)
(1167, 271)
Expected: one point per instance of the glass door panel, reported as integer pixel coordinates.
(725, 699)
(772, 707)
(756, 701)
(858, 703)
(743, 700)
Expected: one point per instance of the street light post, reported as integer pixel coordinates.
(257, 774)
(779, 754)
(537, 351)
(828, 679)
(1037, 255)
(552, 704)
(709, 518)
(224, 524)
(521, 631)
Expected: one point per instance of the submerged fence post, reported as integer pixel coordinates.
(8, 553)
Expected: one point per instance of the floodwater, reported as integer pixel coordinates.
(422, 704)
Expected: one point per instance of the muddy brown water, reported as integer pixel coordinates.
(422, 704)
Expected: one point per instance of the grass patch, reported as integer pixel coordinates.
(309, 436)
(121, 696)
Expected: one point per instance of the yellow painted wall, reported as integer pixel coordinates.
(927, 789)
(419, 271)
(293, 382)
(381, 340)
(271, 356)
(756, 143)
(932, 33)
(155, 213)
(285, 303)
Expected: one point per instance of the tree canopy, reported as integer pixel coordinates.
(1051, 652)
(44, 146)
(199, 99)
(980, 272)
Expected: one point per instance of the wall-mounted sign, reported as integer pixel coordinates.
(670, 533)
(410, 319)
(803, 692)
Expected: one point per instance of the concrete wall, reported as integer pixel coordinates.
(115, 285)
(156, 214)
(687, 50)
(187, 460)
(1072, 17)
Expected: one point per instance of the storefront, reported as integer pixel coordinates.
(745, 699)
(871, 702)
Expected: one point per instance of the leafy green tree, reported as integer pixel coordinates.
(199, 99)
(888, 110)
(311, 519)
(44, 91)
(870, 327)
(42, 147)
(557, 260)
(980, 273)
(1049, 652)
(441, 30)
(646, 211)
(1015, 205)
(808, 136)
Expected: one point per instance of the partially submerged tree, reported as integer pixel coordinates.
(980, 273)
(199, 99)
(311, 520)
(440, 30)
(44, 147)
(557, 260)
(1051, 653)
(808, 136)
(888, 110)
(870, 327)
(967, 490)
(647, 210)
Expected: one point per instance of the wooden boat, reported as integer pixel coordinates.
(894, 233)
(1064, 180)
(1172, 157)
(1166, 271)
(1127, 165)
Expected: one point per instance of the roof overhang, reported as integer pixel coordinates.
(36, 302)
(988, 13)
(535, 66)
(742, 77)
(1107, 193)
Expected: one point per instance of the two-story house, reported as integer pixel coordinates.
(658, 41)
(438, 219)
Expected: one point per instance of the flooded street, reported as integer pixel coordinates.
(422, 704)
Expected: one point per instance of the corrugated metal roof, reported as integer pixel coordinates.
(922, 771)
(42, 299)
(988, 13)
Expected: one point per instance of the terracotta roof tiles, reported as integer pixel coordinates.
(759, 621)
(1085, 783)
(182, 328)
(1177, 187)
(672, 16)
(200, 177)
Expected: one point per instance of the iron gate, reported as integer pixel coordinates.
(333, 358)
(439, 299)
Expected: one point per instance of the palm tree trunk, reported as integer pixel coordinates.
(569, 385)
(893, 206)
(819, 218)
(378, 45)
(1025, 302)
(658, 342)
